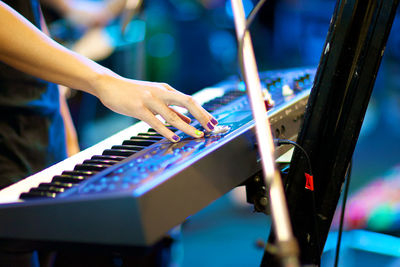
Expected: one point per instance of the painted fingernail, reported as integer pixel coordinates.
(210, 126)
(214, 121)
(198, 133)
(175, 137)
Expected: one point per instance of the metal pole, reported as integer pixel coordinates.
(287, 245)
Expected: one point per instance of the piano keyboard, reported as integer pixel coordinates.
(13, 192)
(131, 188)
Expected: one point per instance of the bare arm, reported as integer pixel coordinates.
(26, 48)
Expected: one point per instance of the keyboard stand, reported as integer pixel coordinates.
(338, 101)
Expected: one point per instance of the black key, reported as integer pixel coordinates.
(118, 152)
(68, 179)
(101, 162)
(79, 173)
(149, 137)
(149, 134)
(47, 190)
(51, 189)
(90, 167)
(139, 142)
(31, 195)
(56, 184)
(172, 128)
(128, 147)
(108, 157)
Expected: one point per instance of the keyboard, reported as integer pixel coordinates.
(133, 187)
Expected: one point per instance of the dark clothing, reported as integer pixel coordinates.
(31, 127)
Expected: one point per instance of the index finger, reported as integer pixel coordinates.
(203, 116)
(188, 102)
(158, 126)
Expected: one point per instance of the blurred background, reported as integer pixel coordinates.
(191, 44)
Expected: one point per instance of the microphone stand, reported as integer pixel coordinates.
(287, 248)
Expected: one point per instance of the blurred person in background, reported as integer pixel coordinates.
(86, 13)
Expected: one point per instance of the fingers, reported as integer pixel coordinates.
(177, 120)
(157, 125)
(176, 98)
(158, 102)
(205, 118)
(183, 117)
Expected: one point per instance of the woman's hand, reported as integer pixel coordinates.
(144, 100)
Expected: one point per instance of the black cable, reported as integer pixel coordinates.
(290, 142)
(346, 191)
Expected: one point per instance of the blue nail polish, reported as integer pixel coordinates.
(175, 137)
(214, 121)
(210, 126)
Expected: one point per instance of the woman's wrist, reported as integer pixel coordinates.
(99, 79)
